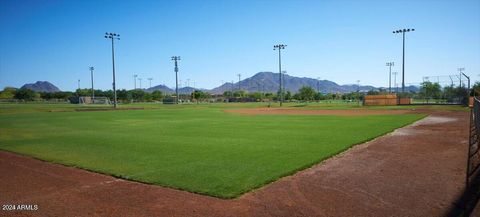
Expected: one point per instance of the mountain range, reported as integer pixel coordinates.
(260, 82)
(269, 82)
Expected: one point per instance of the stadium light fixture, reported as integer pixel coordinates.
(176, 58)
(231, 92)
(283, 81)
(135, 81)
(150, 82)
(113, 37)
(91, 75)
(390, 64)
(280, 47)
(468, 78)
(395, 81)
(461, 72)
(403, 31)
(358, 92)
(318, 84)
(239, 79)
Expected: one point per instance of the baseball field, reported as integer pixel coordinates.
(221, 150)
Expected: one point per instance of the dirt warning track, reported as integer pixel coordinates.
(415, 171)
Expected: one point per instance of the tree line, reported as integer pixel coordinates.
(429, 91)
(122, 95)
(305, 93)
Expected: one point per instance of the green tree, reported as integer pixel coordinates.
(8, 93)
(137, 95)
(288, 95)
(240, 94)
(122, 95)
(62, 95)
(147, 97)
(157, 95)
(320, 96)
(227, 94)
(25, 94)
(199, 95)
(306, 93)
(256, 95)
(269, 96)
(430, 90)
(475, 89)
(83, 92)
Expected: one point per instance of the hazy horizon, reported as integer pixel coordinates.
(340, 41)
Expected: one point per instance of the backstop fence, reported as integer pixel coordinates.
(473, 162)
(468, 200)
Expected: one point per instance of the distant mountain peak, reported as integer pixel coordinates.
(269, 82)
(41, 86)
(160, 87)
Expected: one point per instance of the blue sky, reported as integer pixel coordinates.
(342, 41)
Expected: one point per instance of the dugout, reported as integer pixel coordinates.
(385, 99)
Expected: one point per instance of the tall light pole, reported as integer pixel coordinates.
(91, 75)
(390, 64)
(468, 78)
(113, 36)
(318, 84)
(79, 84)
(403, 31)
(358, 91)
(150, 82)
(395, 81)
(461, 72)
(231, 92)
(135, 81)
(280, 47)
(263, 87)
(176, 58)
(283, 80)
(239, 78)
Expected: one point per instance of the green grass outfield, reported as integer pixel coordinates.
(198, 148)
